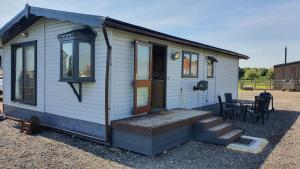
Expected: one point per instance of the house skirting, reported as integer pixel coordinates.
(70, 125)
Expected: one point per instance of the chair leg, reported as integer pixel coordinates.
(233, 114)
(245, 113)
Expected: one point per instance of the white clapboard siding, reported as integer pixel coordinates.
(60, 99)
(122, 77)
(180, 92)
(227, 76)
(58, 96)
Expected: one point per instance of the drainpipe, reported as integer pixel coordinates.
(108, 63)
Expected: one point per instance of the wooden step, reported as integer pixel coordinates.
(229, 137)
(221, 129)
(210, 122)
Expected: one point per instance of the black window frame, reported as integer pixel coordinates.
(190, 66)
(13, 71)
(75, 37)
(213, 67)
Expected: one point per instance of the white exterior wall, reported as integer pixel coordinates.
(227, 76)
(56, 97)
(180, 92)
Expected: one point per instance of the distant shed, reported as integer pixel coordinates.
(287, 71)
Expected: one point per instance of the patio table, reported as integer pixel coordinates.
(244, 103)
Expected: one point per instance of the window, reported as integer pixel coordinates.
(189, 64)
(77, 56)
(24, 72)
(85, 60)
(210, 68)
(67, 59)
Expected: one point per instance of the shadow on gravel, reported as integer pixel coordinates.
(274, 129)
(195, 154)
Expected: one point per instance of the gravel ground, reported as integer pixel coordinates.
(51, 149)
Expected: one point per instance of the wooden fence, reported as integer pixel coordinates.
(265, 84)
(256, 84)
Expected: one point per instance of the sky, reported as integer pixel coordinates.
(259, 29)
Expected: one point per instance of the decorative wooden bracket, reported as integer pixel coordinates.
(77, 93)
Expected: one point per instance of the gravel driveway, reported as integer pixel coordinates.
(50, 149)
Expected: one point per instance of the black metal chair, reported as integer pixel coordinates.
(225, 111)
(267, 104)
(229, 101)
(258, 110)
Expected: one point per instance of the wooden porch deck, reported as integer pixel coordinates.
(153, 124)
(151, 134)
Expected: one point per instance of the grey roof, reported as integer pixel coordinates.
(31, 14)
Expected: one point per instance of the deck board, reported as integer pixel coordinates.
(151, 124)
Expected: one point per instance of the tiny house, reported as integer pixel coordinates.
(78, 73)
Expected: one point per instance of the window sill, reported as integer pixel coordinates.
(190, 77)
(24, 103)
(210, 77)
(77, 81)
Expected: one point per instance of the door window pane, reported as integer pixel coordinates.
(29, 74)
(194, 65)
(67, 54)
(85, 56)
(142, 96)
(186, 64)
(19, 73)
(143, 58)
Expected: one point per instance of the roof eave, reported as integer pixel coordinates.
(148, 32)
(28, 12)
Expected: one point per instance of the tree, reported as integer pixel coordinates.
(270, 74)
(262, 71)
(251, 74)
(241, 73)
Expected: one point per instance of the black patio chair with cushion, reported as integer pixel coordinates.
(267, 104)
(258, 110)
(229, 101)
(226, 111)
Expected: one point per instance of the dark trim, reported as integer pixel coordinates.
(158, 35)
(213, 59)
(107, 69)
(13, 72)
(287, 64)
(79, 92)
(76, 37)
(66, 124)
(190, 68)
(213, 67)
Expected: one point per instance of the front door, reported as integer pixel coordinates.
(142, 77)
